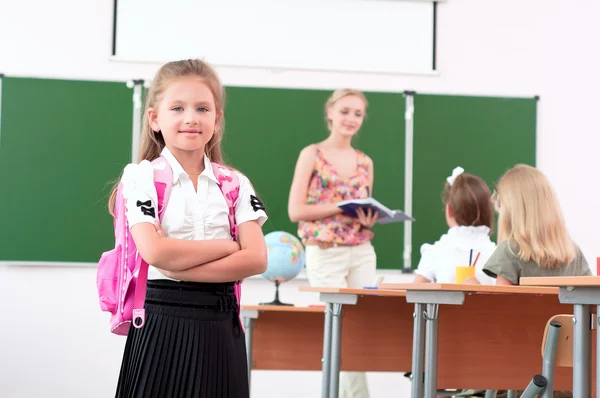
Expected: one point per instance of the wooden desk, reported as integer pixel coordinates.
(290, 338)
(492, 341)
(491, 335)
(584, 293)
(375, 335)
(500, 289)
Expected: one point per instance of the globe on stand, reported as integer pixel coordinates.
(286, 259)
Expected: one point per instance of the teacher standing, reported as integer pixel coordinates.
(338, 247)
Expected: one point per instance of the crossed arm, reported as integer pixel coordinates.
(218, 260)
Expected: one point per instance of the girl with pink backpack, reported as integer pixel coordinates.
(196, 237)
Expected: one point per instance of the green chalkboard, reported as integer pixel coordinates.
(61, 144)
(267, 128)
(484, 135)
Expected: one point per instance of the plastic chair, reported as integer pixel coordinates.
(557, 348)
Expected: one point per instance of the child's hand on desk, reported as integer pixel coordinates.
(369, 219)
(471, 281)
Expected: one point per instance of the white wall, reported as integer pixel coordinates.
(51, 323)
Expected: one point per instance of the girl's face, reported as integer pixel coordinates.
(347, 115)
(186, 115)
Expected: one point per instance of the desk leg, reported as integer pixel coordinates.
(597, 351)
(418, 351)
(581, 351)
(336, 350)
(248, 324)
(431, 337)
(326, 351)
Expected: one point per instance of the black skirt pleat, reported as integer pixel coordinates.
(192, 345)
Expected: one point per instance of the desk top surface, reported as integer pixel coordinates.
(363, 292)
(561, 281)
(470, 288)
(285, 308)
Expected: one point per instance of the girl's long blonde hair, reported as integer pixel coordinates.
(530, 216)
(152, 142)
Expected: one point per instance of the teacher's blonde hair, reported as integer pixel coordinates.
(530, 216)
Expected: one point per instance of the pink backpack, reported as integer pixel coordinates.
(122, 273)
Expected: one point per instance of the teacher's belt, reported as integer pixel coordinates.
(325, 245)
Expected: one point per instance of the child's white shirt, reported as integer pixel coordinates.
(439, 260)
(200, 214)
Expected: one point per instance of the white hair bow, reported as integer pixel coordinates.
(455, 173)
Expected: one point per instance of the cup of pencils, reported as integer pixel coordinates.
(464, 272)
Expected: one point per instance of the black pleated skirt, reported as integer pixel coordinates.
(192, 344)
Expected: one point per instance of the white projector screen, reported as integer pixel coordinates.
(391, 36)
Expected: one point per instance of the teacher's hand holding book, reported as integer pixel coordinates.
(367, 219)
(372, 207)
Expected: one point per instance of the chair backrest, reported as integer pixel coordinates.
(564, 348)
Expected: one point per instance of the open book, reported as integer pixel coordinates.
(386, 215)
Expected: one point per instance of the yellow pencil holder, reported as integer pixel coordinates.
(463, 272)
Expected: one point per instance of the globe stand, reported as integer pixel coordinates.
(276, 301)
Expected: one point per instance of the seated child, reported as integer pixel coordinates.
(470, 215)
(532, 235)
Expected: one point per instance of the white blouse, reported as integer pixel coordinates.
(438, 261)
(191, 214)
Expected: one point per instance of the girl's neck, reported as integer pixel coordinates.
(191, 161)
(338, 141)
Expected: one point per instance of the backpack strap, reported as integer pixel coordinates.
(229, 184)
(163, 182)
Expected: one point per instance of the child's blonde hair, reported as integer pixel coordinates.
(152, 142)
(530, 216)
(338, 95)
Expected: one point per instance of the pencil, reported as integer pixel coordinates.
(476, 258)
